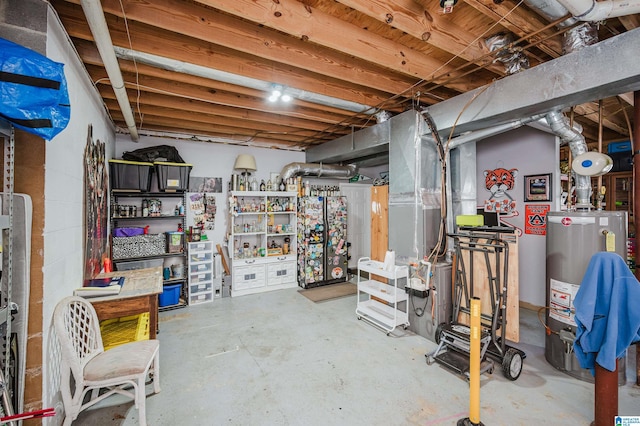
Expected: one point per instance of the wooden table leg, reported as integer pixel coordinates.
(154, 326)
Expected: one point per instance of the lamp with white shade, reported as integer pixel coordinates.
(247, 164)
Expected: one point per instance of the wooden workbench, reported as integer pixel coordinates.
(139, 294)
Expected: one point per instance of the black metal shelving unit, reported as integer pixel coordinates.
(138, 219)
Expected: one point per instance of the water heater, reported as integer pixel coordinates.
(572, 238)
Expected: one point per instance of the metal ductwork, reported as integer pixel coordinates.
(318, 170)
(572, 79)
(572, 136)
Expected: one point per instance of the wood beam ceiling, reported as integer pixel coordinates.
(389, 54)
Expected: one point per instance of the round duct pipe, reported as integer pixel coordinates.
(571, 135)
(318, 170)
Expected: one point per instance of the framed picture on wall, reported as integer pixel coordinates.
(537, 187)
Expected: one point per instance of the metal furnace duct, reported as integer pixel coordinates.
(414, 188)
(319, 170)
(572, 136)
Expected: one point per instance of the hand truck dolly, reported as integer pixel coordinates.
(453, 338)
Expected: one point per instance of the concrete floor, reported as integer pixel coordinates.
(279, 359)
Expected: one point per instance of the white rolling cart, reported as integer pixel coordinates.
(389, 311)
(201, 272)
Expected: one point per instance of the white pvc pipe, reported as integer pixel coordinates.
(98, 25)
(593, 11)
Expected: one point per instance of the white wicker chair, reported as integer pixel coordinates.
(86, 366)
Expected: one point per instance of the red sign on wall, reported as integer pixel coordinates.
(535, 219)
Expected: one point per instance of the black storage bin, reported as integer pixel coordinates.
(130, 175)
(622, 161)
(173, 176)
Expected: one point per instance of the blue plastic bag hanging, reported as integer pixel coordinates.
(33, 91)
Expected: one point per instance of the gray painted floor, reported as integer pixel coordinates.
(279, 359)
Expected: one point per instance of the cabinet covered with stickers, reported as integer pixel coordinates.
(322, 240)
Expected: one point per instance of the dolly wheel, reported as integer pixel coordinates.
(439, 329)
(512, 364)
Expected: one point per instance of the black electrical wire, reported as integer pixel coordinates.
(419, 311)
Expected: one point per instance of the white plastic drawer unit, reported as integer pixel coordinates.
(248, 276)
(200, 277)
(280, 273)
(200, 288)
(196, 298)
(201, 246)
(195, 257)
(200, 268)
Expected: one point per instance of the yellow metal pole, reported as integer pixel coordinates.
(474, 366)
(474, 363)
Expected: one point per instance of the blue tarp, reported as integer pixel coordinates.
(607, 312)
(33, 91)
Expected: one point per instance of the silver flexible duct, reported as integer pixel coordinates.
(512, 57)
(560, 126)
(319, 170)
(578, 37)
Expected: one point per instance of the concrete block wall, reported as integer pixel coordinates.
(25, 22)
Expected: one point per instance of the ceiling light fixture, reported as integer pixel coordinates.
(279, 93)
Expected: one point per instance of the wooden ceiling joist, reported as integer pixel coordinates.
(389, 54)
(316, 27)
(205, 54)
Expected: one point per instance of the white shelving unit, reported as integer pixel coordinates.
(388, 314)
(263, 241)
(201, 272)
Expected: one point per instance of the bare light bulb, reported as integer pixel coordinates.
(286, 98)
